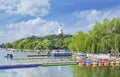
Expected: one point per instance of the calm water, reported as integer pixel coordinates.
(54, 71)
(95, 71)
(61, 71)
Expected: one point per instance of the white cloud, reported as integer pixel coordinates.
(90, 16)
(49, 27)
(1, 33)
(25, 7)
(37, 26)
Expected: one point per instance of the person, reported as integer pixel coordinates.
(9, 56)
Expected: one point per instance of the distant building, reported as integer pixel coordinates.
(60, 31)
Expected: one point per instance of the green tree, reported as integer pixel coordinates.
(8, 45)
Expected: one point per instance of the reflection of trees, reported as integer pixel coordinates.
(96, 71)
(78, 72)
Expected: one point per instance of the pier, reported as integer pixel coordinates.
(29, 65)
(38, 55)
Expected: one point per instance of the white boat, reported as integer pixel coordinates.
(60, 53)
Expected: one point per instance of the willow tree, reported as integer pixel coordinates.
(103, 37)
(78, 42)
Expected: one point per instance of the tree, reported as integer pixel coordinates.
(8, 45)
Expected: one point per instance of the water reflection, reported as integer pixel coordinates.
(56, 71)
(27, 72)
(102, 71)
(62, 71)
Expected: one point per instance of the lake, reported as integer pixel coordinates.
(53, 71)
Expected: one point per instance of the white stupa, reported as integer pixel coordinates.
(60, 31)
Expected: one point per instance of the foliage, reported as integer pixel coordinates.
(103, 37)
(35, 42)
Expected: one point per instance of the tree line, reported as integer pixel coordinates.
(103, 37)
(35, 42)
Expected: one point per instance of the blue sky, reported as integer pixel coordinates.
(23, 18)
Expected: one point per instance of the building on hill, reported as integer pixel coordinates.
(60, 31)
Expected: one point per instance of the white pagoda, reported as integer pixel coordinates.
(60, 31)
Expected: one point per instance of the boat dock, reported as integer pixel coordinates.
(38, 55)
(29, 65)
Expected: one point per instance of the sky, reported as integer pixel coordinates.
(25, 18)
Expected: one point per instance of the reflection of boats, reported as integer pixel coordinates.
(60, 53)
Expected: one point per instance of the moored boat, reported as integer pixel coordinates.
(60, 53)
